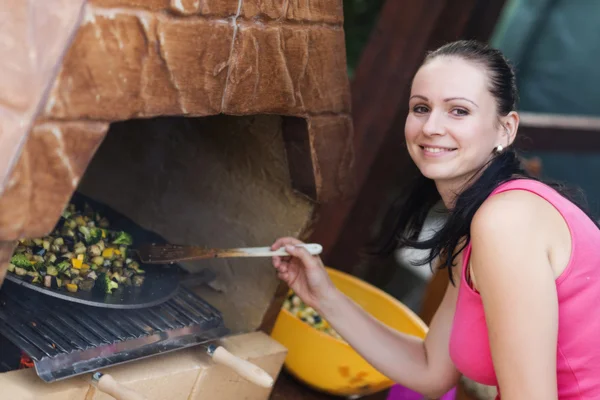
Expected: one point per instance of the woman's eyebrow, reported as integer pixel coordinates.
(445, 100)
(461, 98)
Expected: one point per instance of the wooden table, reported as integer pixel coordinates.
(288, 388)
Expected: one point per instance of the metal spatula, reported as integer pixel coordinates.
(171, 253)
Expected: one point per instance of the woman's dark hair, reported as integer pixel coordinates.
(404, 221)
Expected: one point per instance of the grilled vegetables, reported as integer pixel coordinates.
(82, 253)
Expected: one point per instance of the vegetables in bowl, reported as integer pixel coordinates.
(296, 307)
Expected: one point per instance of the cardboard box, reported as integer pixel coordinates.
(188, 374)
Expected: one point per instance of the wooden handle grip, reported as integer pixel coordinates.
(313, 248)
(109, 385)
(244, 368)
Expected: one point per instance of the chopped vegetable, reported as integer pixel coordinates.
(20, 260)
(108, 253)
(71, 287)
(91, 235)
(123, 238)
(81, 254)
(307, 314)
(63, 266)
(87, 285)
(94, 251)
(98, 260)
(104, 282)
(76, 263)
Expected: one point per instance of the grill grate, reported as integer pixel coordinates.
(66, 339)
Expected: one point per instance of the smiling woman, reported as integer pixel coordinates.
(528, 271)
(453, 122)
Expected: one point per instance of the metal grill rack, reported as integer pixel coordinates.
(65, 339)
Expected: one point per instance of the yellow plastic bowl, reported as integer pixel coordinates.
(331, 365)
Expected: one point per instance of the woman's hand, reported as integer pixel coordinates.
(303, 273)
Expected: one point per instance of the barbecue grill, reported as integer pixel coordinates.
(66, 340)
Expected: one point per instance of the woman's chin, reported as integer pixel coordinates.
(436, 174)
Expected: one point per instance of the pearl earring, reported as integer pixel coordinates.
(499, 148)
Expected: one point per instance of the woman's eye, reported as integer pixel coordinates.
(460, 112)
(420, 109)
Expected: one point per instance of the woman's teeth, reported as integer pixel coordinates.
(435, 149)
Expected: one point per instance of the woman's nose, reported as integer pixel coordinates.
(434, 124)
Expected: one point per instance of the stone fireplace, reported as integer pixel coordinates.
(218, 123)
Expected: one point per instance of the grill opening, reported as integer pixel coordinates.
(218, 181)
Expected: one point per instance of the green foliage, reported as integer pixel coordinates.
(360, 17)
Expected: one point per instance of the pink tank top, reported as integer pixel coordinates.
(578, 288)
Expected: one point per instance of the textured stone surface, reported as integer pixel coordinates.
(152, 5)
(126, 63)
(130, 64)
(197, 54)
(139, 59)
(222, 8)
(280, 69)
(33, 37)
(325, 11)
(49, 169)
(327, 133)
(13, 130)
(318, 11)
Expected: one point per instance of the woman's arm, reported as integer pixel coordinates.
(424, 366)
(512, 272)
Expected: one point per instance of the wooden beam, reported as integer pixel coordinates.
(405, 31)
(564, 133)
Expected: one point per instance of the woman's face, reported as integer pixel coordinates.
(452, 127)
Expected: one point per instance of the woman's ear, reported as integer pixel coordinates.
(511, 124)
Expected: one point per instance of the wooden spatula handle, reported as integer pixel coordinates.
(244, 368)
(110, 386)
(312, 248)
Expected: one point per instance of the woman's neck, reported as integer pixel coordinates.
(447, 193)
(449, 190)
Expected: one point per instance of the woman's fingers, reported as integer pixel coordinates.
(285, 241)
(307, 259)
(279, 260)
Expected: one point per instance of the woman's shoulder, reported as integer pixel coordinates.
(515, 207)
(509, 209)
